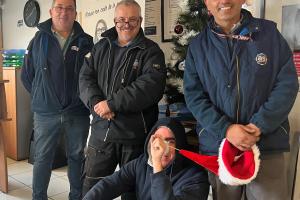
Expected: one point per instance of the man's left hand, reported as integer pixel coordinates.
(102, 109)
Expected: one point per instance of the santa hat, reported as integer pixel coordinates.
(234, 167)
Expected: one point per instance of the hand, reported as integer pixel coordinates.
(102, 109)
(242, 137)
(256, 131)
(109, 116)
(158, 147)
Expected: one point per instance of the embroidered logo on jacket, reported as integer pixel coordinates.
(261, 59)
(156, 66)
(74, 48)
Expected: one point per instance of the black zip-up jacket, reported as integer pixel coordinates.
(132, 94)
(51, 77)
(181, 180)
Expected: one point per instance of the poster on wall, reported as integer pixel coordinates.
(98, 16)
(170, 10)
(151, 17)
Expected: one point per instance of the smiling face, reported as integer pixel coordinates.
(128, 22)
(63, 14)
(226, 12)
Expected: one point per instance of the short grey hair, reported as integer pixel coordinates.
(129, 3)
(53, 2)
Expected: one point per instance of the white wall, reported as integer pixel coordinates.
(274, 9)
(19, 37)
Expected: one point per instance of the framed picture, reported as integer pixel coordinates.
(170, 10)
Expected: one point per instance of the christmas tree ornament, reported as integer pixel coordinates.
(178, 29)
(181, 65)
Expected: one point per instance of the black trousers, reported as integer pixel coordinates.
(102, 160)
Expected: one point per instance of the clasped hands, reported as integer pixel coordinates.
(243, 137)
(103, 110)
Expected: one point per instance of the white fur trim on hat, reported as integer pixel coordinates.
(228, 178)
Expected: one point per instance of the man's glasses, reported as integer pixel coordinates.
(60, 9)
(132, 22)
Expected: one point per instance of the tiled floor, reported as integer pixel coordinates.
(20, 182)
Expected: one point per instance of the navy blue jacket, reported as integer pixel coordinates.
(132, 90)
(256, 84)
(181, 180)
(51, 77)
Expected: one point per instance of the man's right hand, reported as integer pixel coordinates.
(241, 136)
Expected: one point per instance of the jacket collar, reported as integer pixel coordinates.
(112, 35)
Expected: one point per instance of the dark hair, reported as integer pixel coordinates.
(53, 2)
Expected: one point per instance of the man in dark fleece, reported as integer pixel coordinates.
(158, 174)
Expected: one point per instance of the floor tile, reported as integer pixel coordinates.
(65, 177)
(14, 184)
(10, 161)
(62, 196)
(19, 194)
(57, 186)
(24, 177)
(19, 167)
(60, 171)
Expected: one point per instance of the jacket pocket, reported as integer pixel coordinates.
(128, 126)
(208, 143)
(277, 140)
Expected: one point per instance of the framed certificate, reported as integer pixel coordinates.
(170, 11)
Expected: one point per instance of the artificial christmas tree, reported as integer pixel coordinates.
(190, 22)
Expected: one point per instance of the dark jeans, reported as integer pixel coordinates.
(47, 131)
(102, 160)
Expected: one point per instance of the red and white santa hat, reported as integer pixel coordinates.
(234, 167)
(237, 167)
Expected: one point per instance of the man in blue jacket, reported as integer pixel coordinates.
(121, 82)
(240, 83)
(50, 73)
(160, 173)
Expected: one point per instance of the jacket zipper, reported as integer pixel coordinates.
(144, 122)
(113, 83)
(109, 121)
(238, 88)
(201, 131)
(108, 64)
(284, 129)
(118, 70)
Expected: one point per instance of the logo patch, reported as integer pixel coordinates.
(261, 59)
(156, 66)
(74, 48)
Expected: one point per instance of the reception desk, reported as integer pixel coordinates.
(3, 164)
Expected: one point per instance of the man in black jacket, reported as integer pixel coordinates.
(50, 73)
(121, 82)
(158, 174)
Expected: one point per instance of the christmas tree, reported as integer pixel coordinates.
(190, 22)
